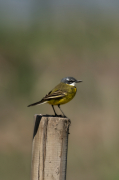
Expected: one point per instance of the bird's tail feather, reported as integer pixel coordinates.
(37, 103)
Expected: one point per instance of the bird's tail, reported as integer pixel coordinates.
(37, 103)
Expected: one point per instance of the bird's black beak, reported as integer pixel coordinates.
(78, 81)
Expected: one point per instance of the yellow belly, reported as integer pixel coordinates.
(69, 96)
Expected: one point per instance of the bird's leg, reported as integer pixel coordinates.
(61, 110)
(54, 110)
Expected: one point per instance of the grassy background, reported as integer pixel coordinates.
(32, 62)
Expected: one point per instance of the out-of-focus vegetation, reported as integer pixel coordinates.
(32, 62)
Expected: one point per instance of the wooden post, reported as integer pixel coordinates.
(49, 148)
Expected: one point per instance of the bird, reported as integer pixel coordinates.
(61, 94)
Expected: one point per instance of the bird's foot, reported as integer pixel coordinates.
(56, 115)
(63, 116)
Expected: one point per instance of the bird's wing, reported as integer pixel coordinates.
(51, 95)
(56, 94)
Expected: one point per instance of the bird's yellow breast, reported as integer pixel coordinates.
(69, 90)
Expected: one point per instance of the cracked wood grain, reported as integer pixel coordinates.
(49, 148)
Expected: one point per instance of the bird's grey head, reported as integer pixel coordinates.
(70, 80)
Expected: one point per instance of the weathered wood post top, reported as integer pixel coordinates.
(49, 148)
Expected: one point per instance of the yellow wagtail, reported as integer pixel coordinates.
(61, 94)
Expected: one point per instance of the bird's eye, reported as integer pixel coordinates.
(71, 82)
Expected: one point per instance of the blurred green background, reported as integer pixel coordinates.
(40, 43)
